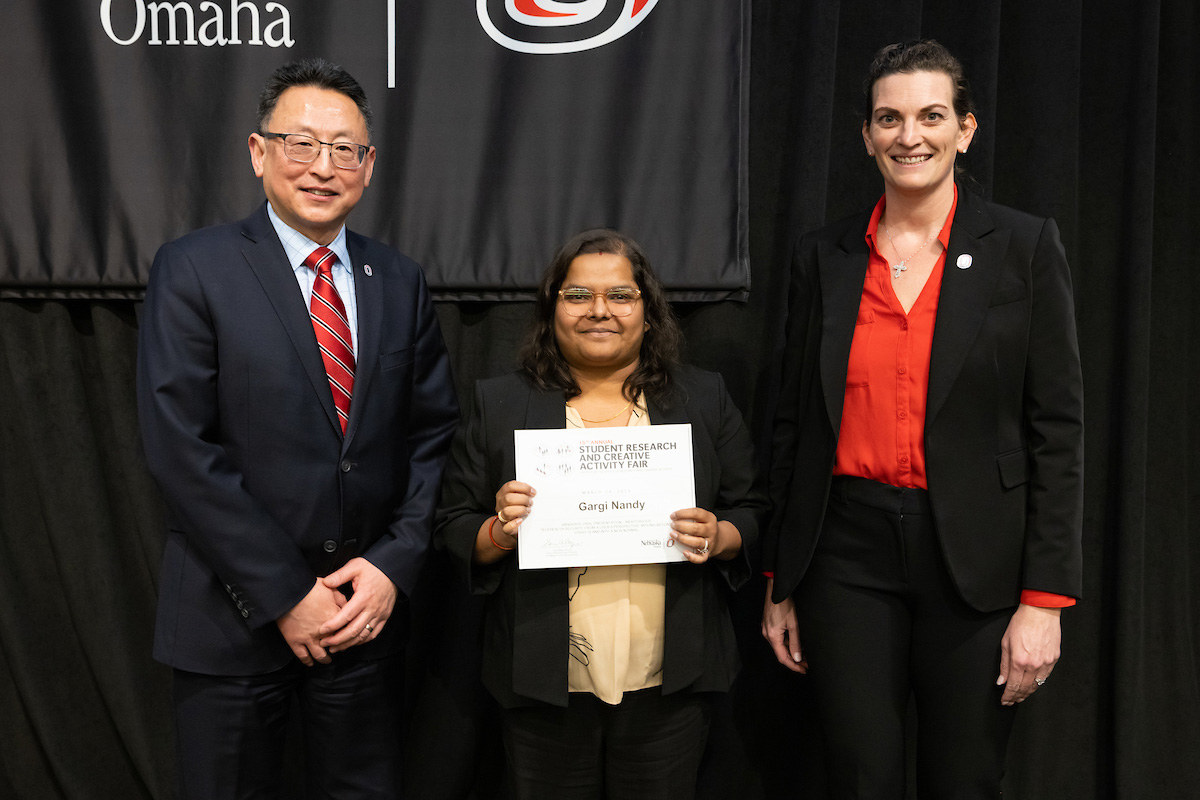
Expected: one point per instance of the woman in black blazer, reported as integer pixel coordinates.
(579, 717)
(927, 457)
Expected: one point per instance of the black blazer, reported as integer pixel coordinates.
(263, 492)
(1004, 419)
(525, 647)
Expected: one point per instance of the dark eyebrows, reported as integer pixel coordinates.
(925, 110)
(304, 129)
(609, 289)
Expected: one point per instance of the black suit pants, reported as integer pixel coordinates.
(231, 730)
(880, 621)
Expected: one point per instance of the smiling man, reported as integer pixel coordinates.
(296, 405)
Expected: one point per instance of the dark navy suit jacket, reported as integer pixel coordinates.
(264, 493)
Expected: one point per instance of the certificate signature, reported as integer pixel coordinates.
(604, 495)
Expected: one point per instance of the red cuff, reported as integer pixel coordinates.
(1032, 597)
(770, 574)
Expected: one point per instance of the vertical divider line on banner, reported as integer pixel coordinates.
(391, 44)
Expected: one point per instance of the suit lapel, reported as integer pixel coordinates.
(267, 259)
(675, 415)
(368, 297)
(842, 270)
(545, 410)
(541, 598)
(965, 294)
(684, 645)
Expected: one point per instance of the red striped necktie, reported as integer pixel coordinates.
(333, 331)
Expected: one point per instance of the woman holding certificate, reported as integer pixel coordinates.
(604, 674)
(927, 470)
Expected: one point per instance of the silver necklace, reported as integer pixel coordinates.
(902, 264)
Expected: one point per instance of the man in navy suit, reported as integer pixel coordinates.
(300, 479)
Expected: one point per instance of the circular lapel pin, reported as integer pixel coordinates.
(964, 261)
(367, 268)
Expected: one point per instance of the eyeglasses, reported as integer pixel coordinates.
(305, 149)
(578, 301)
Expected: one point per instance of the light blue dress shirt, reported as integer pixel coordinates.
(298, 246)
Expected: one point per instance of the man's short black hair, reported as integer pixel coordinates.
(311, 72)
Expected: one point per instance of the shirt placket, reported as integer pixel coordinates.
(903, 400)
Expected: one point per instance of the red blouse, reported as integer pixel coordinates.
(887, 378)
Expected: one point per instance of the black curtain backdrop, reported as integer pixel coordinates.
(1087, 113)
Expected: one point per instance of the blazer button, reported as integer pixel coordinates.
(330, 545)
(245, 614)
(346, 465)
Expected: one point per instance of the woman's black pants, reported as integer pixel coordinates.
(647, 747)
(880, 620)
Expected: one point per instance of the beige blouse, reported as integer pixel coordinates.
(616, 617)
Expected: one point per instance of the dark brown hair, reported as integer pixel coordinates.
(925, 55)
(541, 358)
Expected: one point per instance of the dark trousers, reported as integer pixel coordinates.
(880, 620)
(231, 730)
(648, 747)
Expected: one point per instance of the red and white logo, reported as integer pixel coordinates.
(563, 15)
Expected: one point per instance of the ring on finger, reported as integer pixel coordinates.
(703, 552)
(1039, 681)
(500, 516)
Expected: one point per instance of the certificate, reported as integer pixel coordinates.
(604, 495)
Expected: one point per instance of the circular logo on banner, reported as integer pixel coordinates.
(563, 15)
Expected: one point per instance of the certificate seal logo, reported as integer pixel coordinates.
(565, 18)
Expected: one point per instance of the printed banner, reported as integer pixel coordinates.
(502, 126)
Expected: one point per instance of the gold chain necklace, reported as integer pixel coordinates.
(598, 421)
(902, 265)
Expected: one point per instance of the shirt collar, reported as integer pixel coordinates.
(298, 246)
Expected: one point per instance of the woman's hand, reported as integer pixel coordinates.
(1028, 652)
(498, 533)
(700, 535)
(513, 501)
(780, 629)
